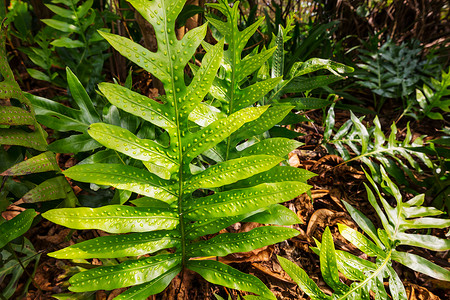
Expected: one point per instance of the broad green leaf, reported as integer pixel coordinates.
(219, 25)
(181, 150)
(384, 238)
(61, 25)
(203, 78)
(237, 202)
(427, 241)
(360, 241)
(16, 227)
(417, 212)
(363, 222)
(139, 105)
(10, 89)
(210, 226)
(67, 43)
(114, 218)
(315, 64)
(276, 214)
(51, 189)
(268, 119)
(57, 116)
(231, 171)
(422, 265)
(83, 9)
(252, 63)
(253, 93)
(128, 273)
(157, 285)
(122, 140)
(149, 202)
(44, 162)
(362, 131)
(415, 201)
(153, 63)
(114, 246)
(205, 114)
(65, 13)
(353, 267)
(151, 10)
(12, 115)
(74, 144)
(247, 33)
(276, 146)
(39, 75)
(126, 178)
(374, 203)
(300, 84)
(15, 136)
(228, 243)
(103, 156)
(278, 55)
(219, 273)
(77, 296)
(82, 99)
(275, 174)
(421, 99)
(328, 264)
(305, 283)
(396, 287)
(189, 43)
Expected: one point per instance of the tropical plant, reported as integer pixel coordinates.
(400, 224)
(20, 128)
(64, 119)
(78, 44)
(233, 89)
(181, 202)
(70, 128)
(432, 97)
(369, 143)
(17, 16)
(308, 39)
(11, 263)
(392, 71)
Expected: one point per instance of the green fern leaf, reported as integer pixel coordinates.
(189, 199)
(219, 273)
(16, 227)
(128, 273)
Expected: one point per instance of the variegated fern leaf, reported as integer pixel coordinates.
(169, 216)
(368, 276)
(371, 143)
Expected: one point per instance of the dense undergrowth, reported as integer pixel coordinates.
(164, 168)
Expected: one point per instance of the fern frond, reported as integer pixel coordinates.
(370, 145)
(188, 200)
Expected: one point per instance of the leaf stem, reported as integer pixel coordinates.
(120, 157)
